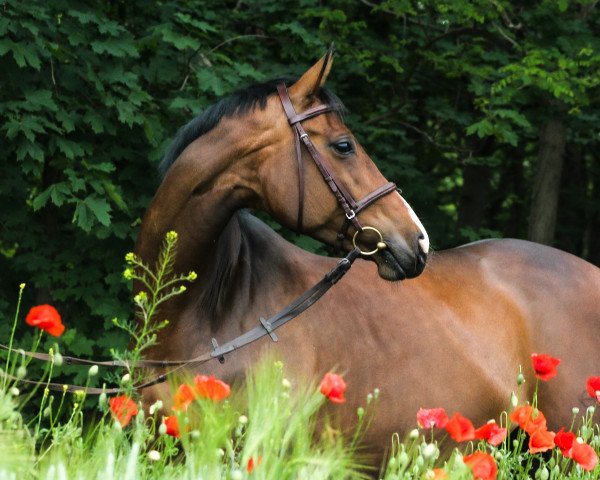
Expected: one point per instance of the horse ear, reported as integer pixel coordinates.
(303, 91)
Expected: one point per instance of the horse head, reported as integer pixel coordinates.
(317, 195)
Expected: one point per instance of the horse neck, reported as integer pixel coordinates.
(197, 197)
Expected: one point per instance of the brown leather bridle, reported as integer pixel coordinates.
(266, 327)
(350, 206)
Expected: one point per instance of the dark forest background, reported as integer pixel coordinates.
(484, 112)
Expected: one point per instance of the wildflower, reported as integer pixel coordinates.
(122, 409)
(584, 455)
(460, 428)
(482, 465)
(172, 426)
(184, 397)
(333, 387)
(47, 318)
(593, 387)
(432, 417)
(525, 418)
(544, 366)
(564, 441)
(251, 463)
(210, 387)
(491, 433)
(541, 440)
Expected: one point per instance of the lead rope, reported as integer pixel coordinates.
(266, 327)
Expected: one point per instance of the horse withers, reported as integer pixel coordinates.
(452, 335)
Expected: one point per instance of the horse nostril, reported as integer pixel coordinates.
(421, 236)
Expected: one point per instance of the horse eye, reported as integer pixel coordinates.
(345, 147)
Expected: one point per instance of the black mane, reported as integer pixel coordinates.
(237, 103)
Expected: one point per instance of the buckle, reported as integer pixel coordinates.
(350, 215)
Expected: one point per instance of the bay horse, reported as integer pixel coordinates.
(452, 335)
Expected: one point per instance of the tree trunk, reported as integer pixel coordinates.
(546, 185)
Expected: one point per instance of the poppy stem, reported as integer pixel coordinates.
(12, 335)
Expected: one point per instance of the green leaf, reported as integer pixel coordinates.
(100, 208)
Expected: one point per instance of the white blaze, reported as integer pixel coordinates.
(424, 242)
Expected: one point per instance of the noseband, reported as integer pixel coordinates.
(350, 206)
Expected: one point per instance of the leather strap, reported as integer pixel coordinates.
(265, 328)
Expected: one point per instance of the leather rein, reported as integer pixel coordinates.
(268, 326)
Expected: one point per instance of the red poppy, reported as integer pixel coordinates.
(541, 440)
(432, 417)
(184, 396)
(210, 387)
(491, 433)
(439, 474)
(172, 425)
(460, 428)
(544, 366)
(251, 464)
(524, 416)
(482, 465)
(333, 387)
(564, 441)
(122, 409)
(584, 455)
(593, 386)
(47, 318)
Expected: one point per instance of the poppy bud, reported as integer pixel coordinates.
(93, 371)
(544, 474)
(154, 455)
(360, 412)
(47, 412)
(158, 405)
(520, 379)
(102, 399)
(21, 372)
(162, 430)
(403, 458)
(125, 378)
(117, 426)
(429, 451)
(58, 359)
(414, 434)
(14, 391)
(514, 401)
(243, 419)
(237, 475)
(575, 410)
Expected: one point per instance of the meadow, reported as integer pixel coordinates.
(268, 427)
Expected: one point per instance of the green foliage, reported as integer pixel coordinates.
(91, 94)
